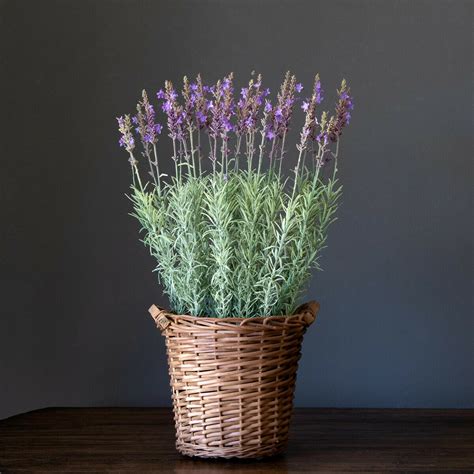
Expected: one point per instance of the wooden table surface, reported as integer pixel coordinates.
(141, 440)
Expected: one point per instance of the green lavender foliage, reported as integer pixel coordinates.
(240, 245)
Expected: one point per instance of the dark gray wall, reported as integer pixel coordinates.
(396, 324)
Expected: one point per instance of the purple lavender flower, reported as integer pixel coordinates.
(311, 121)
(130, 143)
(322, 138)
(345, 96)
(343, 115)
(150, 122)
(174, 113)
(201, 117)
(284, 110)
(222, 108)
(249, 106)
(270, 134)
(125, 128)
(200, 104)
(212, 107)
(145, 119)
(227, 125)
(226, 83)
(189, 101)
(249, 123)
(318, 91)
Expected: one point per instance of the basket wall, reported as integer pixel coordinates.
(233, 381)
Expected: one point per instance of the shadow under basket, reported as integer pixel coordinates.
(233, 380)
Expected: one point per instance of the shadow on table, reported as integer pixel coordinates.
(276, 464)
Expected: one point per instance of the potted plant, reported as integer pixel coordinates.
(235, 238)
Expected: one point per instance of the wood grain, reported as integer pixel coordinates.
(141, 440)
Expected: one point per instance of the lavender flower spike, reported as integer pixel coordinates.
(145, 119)
(248, 107)
(174, 112)
(206, 121)
(309, 106)
(200, 103)
(343, 112)
(222, 109)
(284, 109)
(318, 90)
(189, 97)
(125, 128)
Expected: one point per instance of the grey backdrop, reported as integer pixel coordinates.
(396, 324)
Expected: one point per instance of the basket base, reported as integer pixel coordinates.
(232, 452)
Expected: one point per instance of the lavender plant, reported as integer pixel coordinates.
(232, 235)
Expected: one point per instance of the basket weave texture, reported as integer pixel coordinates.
(233, 380)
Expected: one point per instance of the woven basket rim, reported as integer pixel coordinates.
(306, 312)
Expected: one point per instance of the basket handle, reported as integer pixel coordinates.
(160, 317)
(308, 311)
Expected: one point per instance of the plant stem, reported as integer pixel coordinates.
(192, 150)
(150, 163)
(237, 153)
(224, 155)
(199, 150)
(271, 154)
(175, 159)
(214, 157)
(262, 146)
(248, 140)
(184, 147)
(296, 173)
(282, 153)
(137, 173)
(156, 165)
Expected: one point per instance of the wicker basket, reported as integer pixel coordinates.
(233, 380)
